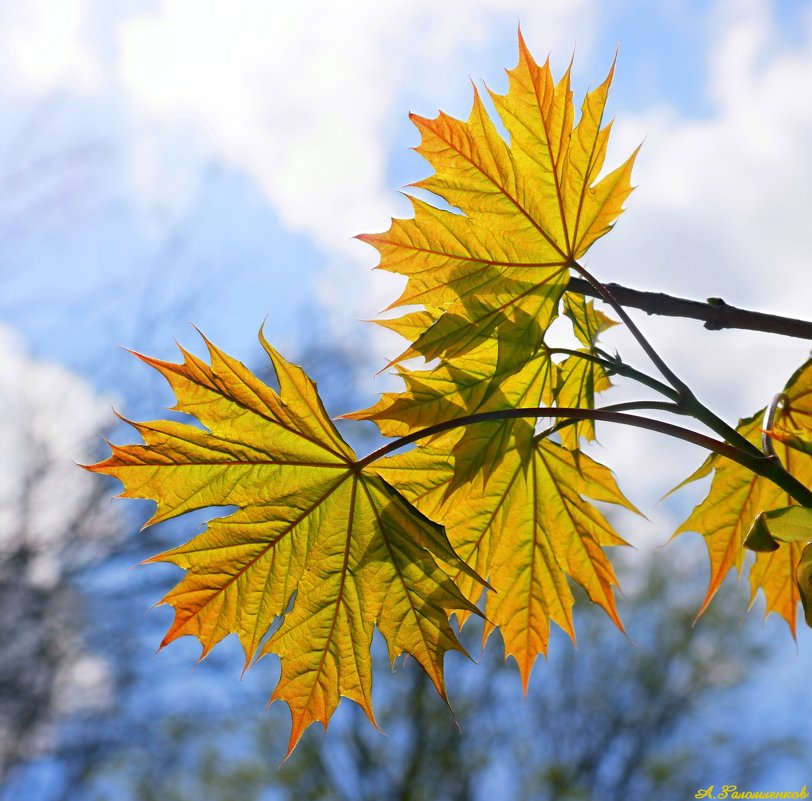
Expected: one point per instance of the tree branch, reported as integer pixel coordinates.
(715, 312)
(609, 415)
(605, 294)
(767, 466)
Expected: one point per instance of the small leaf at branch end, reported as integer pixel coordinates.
(587, 322)
(759, 537)
(805, 583)
(309, 523)
(790, 524)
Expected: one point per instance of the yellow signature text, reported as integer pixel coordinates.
(732, 791)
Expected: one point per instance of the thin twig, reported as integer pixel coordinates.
(562, 412)
(686, 399)
(765, 466)
(605, 294)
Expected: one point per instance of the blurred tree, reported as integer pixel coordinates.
(51, 521)
(616, 722)
(623, 721)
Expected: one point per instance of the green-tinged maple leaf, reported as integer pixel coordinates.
(580, 376)
(309, 522)
(496, 368)
(580, 379)
(588, 323)
(529, 210)
(736, 498)
(503, 372)
(528, 527)
(790, 524)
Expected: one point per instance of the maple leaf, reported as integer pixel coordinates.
(737, 497)
(490, 279)
(588, 323)
(310, 522)
(580, 376)
(529, 210)
(526, 528)
(503, 372)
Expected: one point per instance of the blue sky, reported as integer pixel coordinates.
(259, 142)
(178, 161)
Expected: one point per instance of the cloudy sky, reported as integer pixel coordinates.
(209, 161)
(179, 161)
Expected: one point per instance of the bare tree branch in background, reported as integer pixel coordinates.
(52, 521)
(614, 723)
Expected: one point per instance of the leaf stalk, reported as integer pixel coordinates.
(766, 466)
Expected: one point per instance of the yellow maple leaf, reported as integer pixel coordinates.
(737, 496)
(501, 373)
(310, 521)
(527, 528)
(587, 321)
(529, 209)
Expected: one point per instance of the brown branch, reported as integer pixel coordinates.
(608, 414)
(715, 312)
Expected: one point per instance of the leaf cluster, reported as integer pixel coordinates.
(497, 496)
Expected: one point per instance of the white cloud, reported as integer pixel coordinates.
(737, 181)
(49, 419)
(44, 46)
(726, 196)
(722, 209)
(301, 94)
(306, 97)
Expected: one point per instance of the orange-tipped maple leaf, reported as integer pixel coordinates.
(737, 496)
(530, 209)
(310, 522)
(527, 528)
